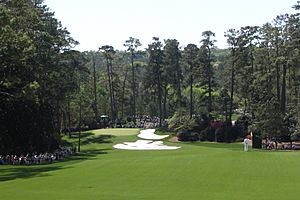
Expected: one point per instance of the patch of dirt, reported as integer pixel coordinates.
(174, 139)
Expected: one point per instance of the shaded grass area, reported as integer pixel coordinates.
(11, 172)
(90, 149)
(99, 139)
(207, 171)
(99, 136)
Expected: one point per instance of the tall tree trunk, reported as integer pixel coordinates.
(69, 117)
(114, 114)
(252, 60)
(165, 114)
(58, 117)
(191, 95)
(283, 90)
(270, 69)
(225, 109)
(277, 75)
(133, 89)
(295, 88)
(252, 81)
(245, 106)
(159, 97)
(209, 83)
(178, 89)
(232, 85)
(123, 93)
(95, 89)
(110, 90)
(64, 119)
(289, 81)
(80, 122)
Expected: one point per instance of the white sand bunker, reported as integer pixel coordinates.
(146, 144)
(148, 134)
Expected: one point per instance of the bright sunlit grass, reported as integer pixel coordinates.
(116, 131)
(207, 171)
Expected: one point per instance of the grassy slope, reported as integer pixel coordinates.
(197, 171)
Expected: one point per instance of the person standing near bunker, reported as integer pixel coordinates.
(246, 143)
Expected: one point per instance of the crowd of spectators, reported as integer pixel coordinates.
(273, 145)
(148, 121)
(37, 158)
(141, 121)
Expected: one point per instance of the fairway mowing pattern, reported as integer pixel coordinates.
(197, 171)
(116, 131)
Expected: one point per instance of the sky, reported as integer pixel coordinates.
(94, 23)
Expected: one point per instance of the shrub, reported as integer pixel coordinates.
(174, 121)
(207, 134)
(202, 122)
(242, 124)
(183, 135)
(182, 123)
(203, 135)
(234, 133)
(256, 141)
(194, 136)
(224, 133)
(220, 134)
(186, 135)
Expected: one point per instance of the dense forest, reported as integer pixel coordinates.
(47, 89)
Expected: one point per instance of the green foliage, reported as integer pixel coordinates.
(256, 141)
(186, 135)
(228, 133)
(258, 74)
(32, 72)
(208, 134)
(154, 74)
(174, 122)
(269, 121)
(178, 122)
(185, 127)
(187, 123)
(172, 74)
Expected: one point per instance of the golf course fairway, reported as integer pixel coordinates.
(207, 171)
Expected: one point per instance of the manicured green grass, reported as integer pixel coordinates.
(116, 131)
(205, 171)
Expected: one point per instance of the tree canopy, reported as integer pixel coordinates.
(47, 88)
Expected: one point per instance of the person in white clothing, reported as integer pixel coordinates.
(246, 144)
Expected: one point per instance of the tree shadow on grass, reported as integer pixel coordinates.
(12, 172)
(99, 139)
(69, 142)
(82, 135)
(15, 172)
(88, 139)
(89, 154)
